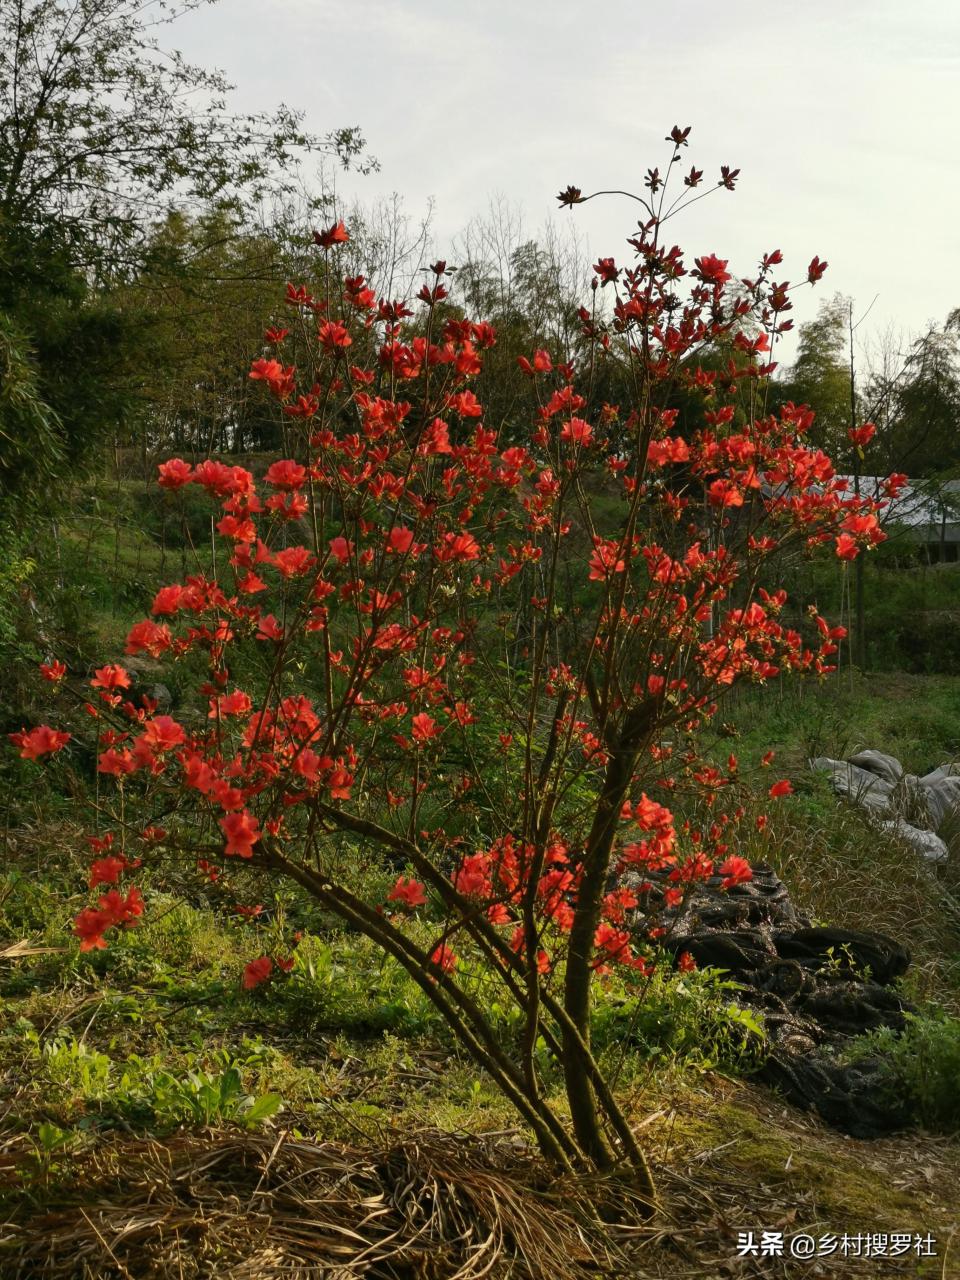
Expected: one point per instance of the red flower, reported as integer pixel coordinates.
(249, 584)
(167, 600)
(541, 363)
(39, 742)
(570, 196)
(408, 891)
(458, 546)
(711, 269)
(723, 493)
(225, 796)
(242, 831)
(607, 270)
(286, 474)
(106, 871)
(293, 561)
(174, 474)
(611, 944)
(736, 870)
(341, 549)
(781, 788)
(334, 336)
(256, 971)
(339, 780)
(816, 270)
(263, 371)
(269, 629)
(461, 713)
(163, 734)
(116, 762)
(686, 962)
(122, 910)
(236, 703)
(400, 539)
(217, 478)
(465, 404)
(606, 561)
(424, 727)
(576, 431)
(148, 637)
(861, 436)
(112, 911)
(847, 548)
(337, 234)
(111, 676)
(53, 671)
(90, 926)
(307, 765)
(436, 439)
(473, 877)
(444, 958)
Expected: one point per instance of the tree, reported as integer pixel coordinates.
(820, 375)
(364, 721)
(926, 407)
(531, 291)
(103, 132)
(31, 440)
(203, 293)
(102, 129)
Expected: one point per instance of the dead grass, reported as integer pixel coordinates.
(731, 1157)
(430, 1206)
(440, 1207)
(847, 873)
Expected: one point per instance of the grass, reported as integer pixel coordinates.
(913, 717)
(839, 867)
(760, 1165)
(148, 1068)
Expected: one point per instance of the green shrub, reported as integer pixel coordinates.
(145, 1093)
(922, 1065)
(690, 1017)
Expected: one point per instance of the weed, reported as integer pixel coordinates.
(690, 1018)
(921, 1064)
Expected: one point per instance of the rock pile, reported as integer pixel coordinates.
(815, 988)
(919, 810)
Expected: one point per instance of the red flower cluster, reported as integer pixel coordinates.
(40, 741)
(112, 911)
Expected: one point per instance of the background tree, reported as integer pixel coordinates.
(820, 375)
(102, 131)
(926, 403)
(205, 292)
(531, 290)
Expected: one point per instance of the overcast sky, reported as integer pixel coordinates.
(842, 115)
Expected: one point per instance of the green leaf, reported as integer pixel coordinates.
(263, 1108)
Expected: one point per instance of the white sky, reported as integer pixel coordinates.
(842, 115)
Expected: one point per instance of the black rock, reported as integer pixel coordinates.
(816, 988)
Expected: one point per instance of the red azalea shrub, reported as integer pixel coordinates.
(455, 657)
